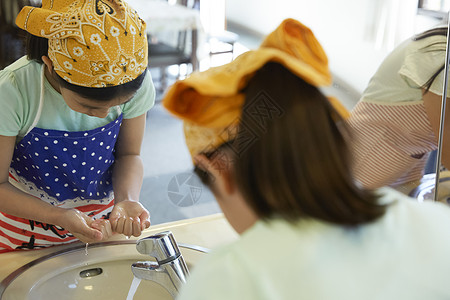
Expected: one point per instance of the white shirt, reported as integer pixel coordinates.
(403, 255)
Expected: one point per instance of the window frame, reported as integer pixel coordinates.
(438, 14)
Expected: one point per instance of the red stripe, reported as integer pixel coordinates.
(39, 236)
(95, 207)
(6, 248)
(91, 208)
(10, 175)
(12, 240)
(17, 219)
(87, 208)
(29, 233)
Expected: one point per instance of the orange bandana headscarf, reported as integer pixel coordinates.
(210, 102)
(92, 43)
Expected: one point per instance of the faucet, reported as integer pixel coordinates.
(169, 270)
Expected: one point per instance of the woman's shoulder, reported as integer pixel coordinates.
(426, 51)
(436, 42)
(411, 212)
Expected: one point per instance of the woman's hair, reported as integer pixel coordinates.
(432, 32)
(297, 163)
(36, 47)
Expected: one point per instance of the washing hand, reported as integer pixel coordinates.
(104, 226)
(84, 227)
(129, 218)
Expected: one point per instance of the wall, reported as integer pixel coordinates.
(351, 31)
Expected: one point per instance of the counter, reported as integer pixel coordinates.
(208, 231)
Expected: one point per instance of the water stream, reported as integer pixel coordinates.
(86, 253)
(134, 285)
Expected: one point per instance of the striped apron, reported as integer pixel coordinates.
(64, 169)
(390, 142)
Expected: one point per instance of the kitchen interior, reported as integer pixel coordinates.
(356, 35)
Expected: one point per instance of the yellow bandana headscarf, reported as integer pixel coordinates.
(92, 43)
(210, 102)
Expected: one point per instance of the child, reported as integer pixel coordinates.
(272, 148)
(73, 117)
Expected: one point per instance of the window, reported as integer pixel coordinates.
(435, 8)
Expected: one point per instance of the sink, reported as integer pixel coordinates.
(101, 272)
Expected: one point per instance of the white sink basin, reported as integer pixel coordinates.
(104, 273)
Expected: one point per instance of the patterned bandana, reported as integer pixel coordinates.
(92, 43)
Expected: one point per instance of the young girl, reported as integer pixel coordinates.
(272, 148)
(396, 122)
(72, 123)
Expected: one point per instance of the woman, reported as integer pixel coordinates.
(396, 122)
(272, 148)
(73, 117)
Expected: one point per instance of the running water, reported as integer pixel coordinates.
(86, 253)
(134, 285)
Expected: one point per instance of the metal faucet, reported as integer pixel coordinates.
(169, 270)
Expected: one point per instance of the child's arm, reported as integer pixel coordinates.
(129, 216)
(17, 203)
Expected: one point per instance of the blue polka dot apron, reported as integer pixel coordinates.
(65, 169)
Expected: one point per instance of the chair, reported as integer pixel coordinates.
(219, 40)
(12, 38)
(162, 55)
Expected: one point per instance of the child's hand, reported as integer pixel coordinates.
(104, 226)
(83, 227)
(129, 218)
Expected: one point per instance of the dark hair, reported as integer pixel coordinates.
(432, 32)
(104, 93)
(37, 47)
(297, 164)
